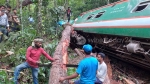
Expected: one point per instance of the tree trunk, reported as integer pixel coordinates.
(39, 25)
(55, 3)
(18, 4)
(7, 2)
(107, 1)
(29, 9)
(66, 7)
(61, 52)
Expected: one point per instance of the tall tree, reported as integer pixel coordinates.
(107, 1)
(39, 25)
(7, 2)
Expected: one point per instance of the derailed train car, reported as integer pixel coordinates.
(121, 29)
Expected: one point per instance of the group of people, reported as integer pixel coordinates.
(92, 70)
(9, 20)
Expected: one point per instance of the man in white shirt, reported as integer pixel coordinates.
(102, 69)
(4, 25)
(30, 19)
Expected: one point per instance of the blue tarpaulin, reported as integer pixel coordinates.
(62, 22)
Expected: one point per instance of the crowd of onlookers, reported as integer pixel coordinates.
(9, 20)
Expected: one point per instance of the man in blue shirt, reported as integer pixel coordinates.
(87, 68)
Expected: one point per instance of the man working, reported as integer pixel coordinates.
(32, 60)
(68, 13)
(4, 26)
(102, 69)
(86, 69)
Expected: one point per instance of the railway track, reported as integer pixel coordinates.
(129, 58)
(129, 66)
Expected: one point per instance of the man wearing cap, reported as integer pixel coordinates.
(102, 69)
(33, 54)
(68, 13)
(87, 68)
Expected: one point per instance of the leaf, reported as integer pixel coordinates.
(43, 74)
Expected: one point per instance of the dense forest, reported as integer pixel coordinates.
(46, 14)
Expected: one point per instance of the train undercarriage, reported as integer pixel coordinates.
(124, 52)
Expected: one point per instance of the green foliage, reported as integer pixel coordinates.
(70, 71)
(4, 78)
(45, 2)
(50, 47)
(2, 2)
(79, 6)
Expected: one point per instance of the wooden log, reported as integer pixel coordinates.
(77, 59)
(61, 52)
(127, 81)
(79, 52)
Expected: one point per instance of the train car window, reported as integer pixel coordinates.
(90, 16)
(99, 14)
(141, 6)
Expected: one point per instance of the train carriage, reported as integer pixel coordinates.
(121, 29)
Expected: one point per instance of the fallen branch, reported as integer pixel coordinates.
(10, 71)
(77, 59)
(79, 52)
(9, 53)
(127, 81)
